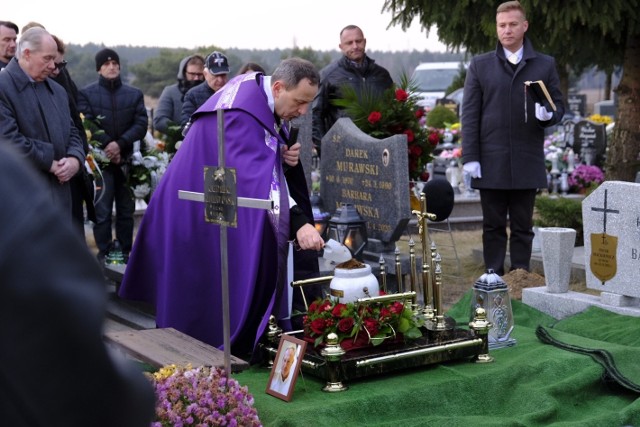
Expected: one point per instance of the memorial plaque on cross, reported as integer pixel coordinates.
(221, 203)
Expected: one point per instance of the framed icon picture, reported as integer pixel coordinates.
(286, 367)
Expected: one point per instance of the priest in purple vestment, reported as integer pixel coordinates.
(175, 261)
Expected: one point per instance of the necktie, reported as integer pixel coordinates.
(513, 58)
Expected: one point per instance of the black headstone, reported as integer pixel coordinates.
(590, 141)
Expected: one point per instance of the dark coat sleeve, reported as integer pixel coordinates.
(55, 369)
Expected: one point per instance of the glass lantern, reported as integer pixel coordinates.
(320, 216)
(347, 227)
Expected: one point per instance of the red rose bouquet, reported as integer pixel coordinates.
(360, 324)
(396, 111)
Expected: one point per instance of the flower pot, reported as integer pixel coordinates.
(557, 254)
(350, 284)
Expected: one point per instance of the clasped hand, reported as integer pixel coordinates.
(65, 168)
(291, 155)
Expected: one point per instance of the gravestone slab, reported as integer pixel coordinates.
(590, 141)
(450, 104)
(303, 123)
(611, 219)
(372, 174)
(577, 104)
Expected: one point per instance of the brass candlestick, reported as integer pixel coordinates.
(399, 271)
(383, 273)
(412, 275)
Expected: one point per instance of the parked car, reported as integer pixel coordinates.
(432, 79)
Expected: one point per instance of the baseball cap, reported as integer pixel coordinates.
(217, 63)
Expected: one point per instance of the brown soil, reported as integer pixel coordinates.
(519, 279)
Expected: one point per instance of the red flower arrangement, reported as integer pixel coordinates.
(359, 325)
(395, 111)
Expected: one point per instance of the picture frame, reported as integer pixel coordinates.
(286, 367)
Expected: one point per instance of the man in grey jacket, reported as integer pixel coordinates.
(35, 118)
(503, 136)
(190, 74)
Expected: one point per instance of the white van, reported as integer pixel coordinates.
(432, 79)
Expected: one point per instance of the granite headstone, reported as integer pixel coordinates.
(590, 141)
(611, 219)
(372, 174)
(577, 104)
(306, 144)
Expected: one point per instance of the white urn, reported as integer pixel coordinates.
(350, 284)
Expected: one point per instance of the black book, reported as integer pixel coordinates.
(540, 94)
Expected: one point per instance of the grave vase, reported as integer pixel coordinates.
(557, 253)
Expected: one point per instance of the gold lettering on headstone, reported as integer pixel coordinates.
(603, 259)
(356, 152)
(361, 168)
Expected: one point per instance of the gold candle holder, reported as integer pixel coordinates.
(399, 271)
(412, 272)
(383, 274)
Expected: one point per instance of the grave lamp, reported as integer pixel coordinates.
(347, 227)
(491, 293)
(320, 216)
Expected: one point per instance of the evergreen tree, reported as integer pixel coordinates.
(577, 34)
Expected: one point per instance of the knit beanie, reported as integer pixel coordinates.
(106, 55)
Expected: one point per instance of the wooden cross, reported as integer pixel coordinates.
(221, 204)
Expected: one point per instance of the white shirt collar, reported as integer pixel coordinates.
(518, 53)
(266, 86)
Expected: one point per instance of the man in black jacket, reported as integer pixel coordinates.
(119, 111)
(355, 69)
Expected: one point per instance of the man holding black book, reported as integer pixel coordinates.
(503, 125)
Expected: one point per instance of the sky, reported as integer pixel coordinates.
(247, 24)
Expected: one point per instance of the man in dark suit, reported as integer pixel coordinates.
(35, 118)
(503, 136)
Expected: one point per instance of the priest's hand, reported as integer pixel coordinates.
(291, 155)
(309, 238)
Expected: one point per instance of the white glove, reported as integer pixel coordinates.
(473, 169)
(542, 114)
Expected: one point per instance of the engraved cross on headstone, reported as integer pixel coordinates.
(221, 204)
(605, 210)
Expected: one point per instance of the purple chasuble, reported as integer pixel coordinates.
(175, 260)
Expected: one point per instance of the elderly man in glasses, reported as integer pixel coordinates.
(35, 117)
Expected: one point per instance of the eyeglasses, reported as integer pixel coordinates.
(61, 65)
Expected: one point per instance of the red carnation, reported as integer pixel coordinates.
(337, 310)
(410, 136)
(434, 138)
(401, 95)
(374, 117)
(419, 113)
(318, 326)
(346, 324)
